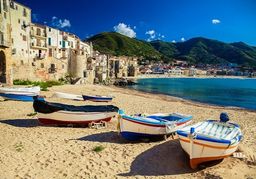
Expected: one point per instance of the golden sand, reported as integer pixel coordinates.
(28, 150)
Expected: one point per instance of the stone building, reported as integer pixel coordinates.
(38, 52)
(123, 66)
(5, 42)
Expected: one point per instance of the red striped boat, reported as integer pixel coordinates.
(61, 114)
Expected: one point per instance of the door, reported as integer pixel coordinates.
(50, 52)
(2, 67)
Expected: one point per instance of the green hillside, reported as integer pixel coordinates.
(117, 44)
(195, 51)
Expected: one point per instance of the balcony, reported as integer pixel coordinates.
(38, 35)
(38, 46)
(4, 43)
(40, 56)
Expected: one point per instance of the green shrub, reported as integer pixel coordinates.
(98, 148)
(43, 84)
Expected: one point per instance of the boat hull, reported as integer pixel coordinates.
(68, 96)
(73, 118)
(204, 151)
(19, 97)
(137, 130)
(97, 98)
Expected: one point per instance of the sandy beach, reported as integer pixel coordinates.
(29, 150)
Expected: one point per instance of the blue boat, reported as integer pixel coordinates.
(20, 94)
(97, 98)
(153, 127)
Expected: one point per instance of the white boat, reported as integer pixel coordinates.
(68, 96)
(61, 114)
(210, 140)
(154, 126)
(35, 89)
(20, 94)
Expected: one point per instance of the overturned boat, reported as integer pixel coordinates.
(210, 140)
(20, 94)
(68, 96)
(62, 114)
(154, 126)
(97, 98)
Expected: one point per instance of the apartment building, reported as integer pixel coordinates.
(20, 20)
(5, 42)
(38, 43)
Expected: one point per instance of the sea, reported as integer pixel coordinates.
(228, 92)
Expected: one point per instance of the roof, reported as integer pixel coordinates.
(21, 4)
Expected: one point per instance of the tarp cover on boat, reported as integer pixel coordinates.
(47, 107)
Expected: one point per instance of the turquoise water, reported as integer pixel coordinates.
(217, 91)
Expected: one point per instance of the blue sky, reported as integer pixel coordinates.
(169, 20)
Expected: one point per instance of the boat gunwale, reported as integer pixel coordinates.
(158, 124)
(210, 138)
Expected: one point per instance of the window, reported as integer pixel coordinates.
(63, 66)
(49, 41)
(42, 65)
(5, 16)
(85, 74)
(19, 21)
(16, 7)
(24, 38)
(50, 29)
(38, 32)
(24, 12)
(4, 5)
(60, 42)
(50, 52)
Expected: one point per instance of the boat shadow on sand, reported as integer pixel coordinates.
(109, 137)
(21, 122)
(164, 159)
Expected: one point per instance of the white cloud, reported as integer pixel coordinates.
(125, 30)
(60, 23)
(182, 39)
(134, 27)
(153, 35)
(35, 17)
(64, 23)
(174, 41)
(150, 32)
(215, 21)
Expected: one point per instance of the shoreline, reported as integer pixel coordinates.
(171, 98)
(183, 76)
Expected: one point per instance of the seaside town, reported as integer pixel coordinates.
(63, 113)
(31, 51)
(36, 52)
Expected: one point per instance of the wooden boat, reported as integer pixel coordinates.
(155, 126)
(68, 96)
(97, 98)
(61, 114)
(210, 140)
(20, 94)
